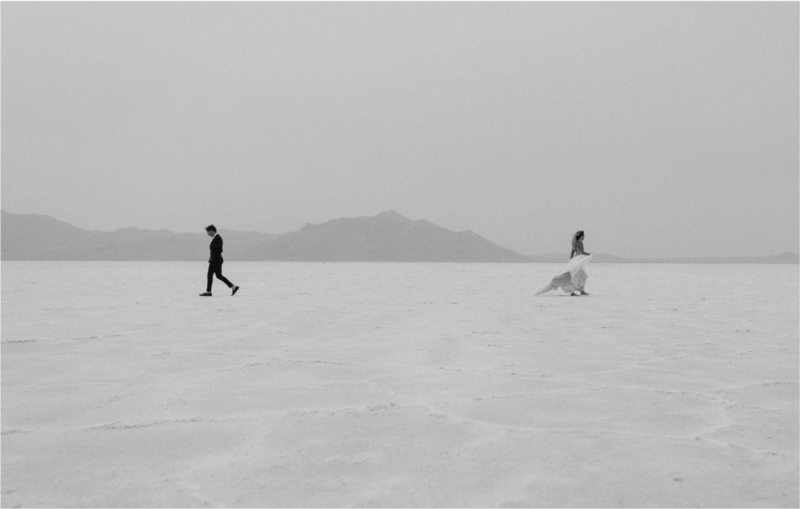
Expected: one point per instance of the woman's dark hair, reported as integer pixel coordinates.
(579, 234)
(211, 228)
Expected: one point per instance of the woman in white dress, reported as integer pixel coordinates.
(571, 278)
(579, 281)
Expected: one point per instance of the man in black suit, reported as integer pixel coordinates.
(215, 262)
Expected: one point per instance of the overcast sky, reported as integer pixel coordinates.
(661, 129)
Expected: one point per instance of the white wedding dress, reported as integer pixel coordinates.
(571, 278)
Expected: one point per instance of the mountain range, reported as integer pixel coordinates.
(386, 237)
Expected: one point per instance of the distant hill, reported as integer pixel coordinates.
(38, 237)
(386, 237)
(564, 258)
(785, 257)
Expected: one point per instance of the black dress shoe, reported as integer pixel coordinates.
(207, 294)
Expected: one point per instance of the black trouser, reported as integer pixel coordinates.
(215, 268)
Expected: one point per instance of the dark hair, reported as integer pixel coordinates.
(579, 234)
(211, 228)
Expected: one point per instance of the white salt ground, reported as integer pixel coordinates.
(398, 385)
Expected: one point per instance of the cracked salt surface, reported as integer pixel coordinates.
(365, 385)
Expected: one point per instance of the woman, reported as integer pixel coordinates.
(579, 281)
(571, 278)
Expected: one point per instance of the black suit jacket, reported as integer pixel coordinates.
(216, 250)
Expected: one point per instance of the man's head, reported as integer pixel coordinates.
(211, 230)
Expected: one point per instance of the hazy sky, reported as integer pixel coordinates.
(661, 129)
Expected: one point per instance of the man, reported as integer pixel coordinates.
(215, 262)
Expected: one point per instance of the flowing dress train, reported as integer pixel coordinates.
(571, 278)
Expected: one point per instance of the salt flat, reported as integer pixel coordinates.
(398, 385)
